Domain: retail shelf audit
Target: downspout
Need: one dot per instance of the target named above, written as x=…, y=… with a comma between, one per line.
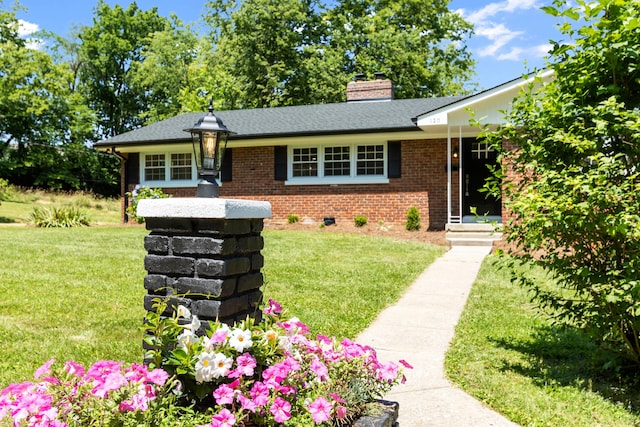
x=449, y=183
x=460, y=151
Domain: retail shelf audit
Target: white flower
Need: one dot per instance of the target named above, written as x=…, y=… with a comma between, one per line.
x=205, y=366
x=194, y=325
x=183, y=312
x=240, y=339
x=186, y=339
x=221, y=365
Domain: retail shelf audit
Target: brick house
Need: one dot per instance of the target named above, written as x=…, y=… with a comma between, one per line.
x=373, y=155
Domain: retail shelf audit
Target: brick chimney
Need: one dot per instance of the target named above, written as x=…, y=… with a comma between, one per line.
x=380, y=89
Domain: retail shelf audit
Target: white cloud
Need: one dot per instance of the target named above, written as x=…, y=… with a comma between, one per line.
x=499, y=35
x=519, y=53
x=494, y=23
x=479, y=16
x=26, y=28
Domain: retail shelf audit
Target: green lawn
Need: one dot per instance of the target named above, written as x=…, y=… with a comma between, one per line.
x=77, y=293
x=533, y=372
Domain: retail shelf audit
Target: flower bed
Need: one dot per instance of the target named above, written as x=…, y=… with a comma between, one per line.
x=269, y=373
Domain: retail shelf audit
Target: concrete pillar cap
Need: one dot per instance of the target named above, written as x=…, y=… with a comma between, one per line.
x=193, y=207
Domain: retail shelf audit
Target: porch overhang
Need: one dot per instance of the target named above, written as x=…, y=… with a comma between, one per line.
x=464, y=119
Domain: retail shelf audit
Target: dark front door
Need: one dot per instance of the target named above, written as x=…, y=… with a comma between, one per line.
x=477, y=156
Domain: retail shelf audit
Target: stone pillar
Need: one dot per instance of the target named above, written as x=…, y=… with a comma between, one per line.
x=205, y=255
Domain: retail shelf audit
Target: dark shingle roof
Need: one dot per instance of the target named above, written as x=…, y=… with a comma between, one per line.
x=322, y=119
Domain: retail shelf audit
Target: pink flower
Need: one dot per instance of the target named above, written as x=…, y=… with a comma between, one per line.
x=44, y=369
x=281, y=410
x=30, y=404
x=224, y=394
x=219, y=336
x=388, y=371
x=101, y=368
x=320, y=410
x=246, y=365
x=112, y=381
x=158, y=377
x=336, y=398
x=274, y=307
x=224, y=418
x=405, y=364
x=319, y=369
x=260, y=393
x=247, y=404
x=139, y=402
x=273, y=376
x=74, y=368
x=294, y=326
x=341, y=412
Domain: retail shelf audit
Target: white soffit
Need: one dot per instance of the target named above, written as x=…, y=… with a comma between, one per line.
x=487, y=106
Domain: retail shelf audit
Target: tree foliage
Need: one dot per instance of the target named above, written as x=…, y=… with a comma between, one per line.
x=572, y=182
x=132, y=67
x=296, y=52
x=112, y=50
x=419, y=45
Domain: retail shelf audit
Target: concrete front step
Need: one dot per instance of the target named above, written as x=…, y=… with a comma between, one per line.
x=472, y=234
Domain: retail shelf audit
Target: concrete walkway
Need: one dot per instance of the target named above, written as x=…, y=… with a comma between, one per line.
x=418, y=329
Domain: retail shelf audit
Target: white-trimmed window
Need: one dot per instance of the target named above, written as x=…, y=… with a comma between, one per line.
x=167, y=169
x=154, y=167
x=338, y=164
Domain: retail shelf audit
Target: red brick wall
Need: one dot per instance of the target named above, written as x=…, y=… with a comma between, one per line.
x=423, y=184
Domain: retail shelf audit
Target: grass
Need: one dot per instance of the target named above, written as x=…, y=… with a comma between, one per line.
x=77, y=293
x=534, y=373
x=22, y=202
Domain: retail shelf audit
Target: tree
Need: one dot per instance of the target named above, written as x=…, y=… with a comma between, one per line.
x=419, y=45
x=112, y=50
x=295, y=52
x=263, y=44
x=168, y=71
x=573, y=181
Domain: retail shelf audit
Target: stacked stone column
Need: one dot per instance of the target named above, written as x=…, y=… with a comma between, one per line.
x=206, y=255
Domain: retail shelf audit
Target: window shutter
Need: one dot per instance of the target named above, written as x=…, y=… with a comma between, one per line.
x=280, y=163
x=132, y=169
x=394, y=159
x=226, y=169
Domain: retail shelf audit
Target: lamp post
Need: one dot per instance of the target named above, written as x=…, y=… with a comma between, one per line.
x=209, y=138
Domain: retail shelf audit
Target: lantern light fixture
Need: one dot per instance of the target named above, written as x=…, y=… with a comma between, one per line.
x=209, y=138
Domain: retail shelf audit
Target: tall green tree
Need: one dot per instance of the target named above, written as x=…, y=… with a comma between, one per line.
x=112, y=50
x=297, y=52
x=169, y=70
x=263, y=44
x=420, y=45
x=572, y=183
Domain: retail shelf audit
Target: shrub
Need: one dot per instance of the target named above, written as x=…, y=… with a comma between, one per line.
x=413, y=219
x=6, y=190
x=571, y=187
x=360, y=221
x=292, y=219
x=65, y=217
x=138, y=194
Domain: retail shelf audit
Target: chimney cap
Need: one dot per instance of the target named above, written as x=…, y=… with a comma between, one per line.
x=379, y=75
x=359, y=77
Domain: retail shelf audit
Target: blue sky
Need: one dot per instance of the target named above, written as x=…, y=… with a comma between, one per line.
x=511, y=36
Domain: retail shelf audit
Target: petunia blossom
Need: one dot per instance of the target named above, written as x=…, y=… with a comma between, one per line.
x=224, y=418
x=320, y=410
x=281, y=410
x=224, y=394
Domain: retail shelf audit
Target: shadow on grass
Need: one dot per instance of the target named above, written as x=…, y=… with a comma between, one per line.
x=5, y=220
x=558, y=356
